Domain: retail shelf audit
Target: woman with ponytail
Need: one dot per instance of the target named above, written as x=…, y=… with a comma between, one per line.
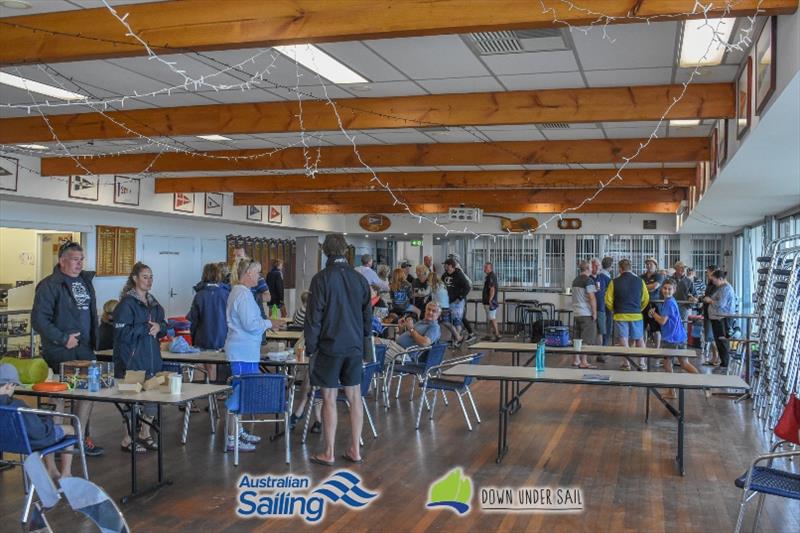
x=138, y=325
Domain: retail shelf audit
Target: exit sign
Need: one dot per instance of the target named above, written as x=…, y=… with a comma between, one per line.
x=416, y=243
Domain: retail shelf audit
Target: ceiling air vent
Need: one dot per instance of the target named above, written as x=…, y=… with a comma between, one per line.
x=490, y=43
x=554, y=126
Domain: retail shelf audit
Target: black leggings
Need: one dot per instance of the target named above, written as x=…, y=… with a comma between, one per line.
x=720, y=329
x=465, y=322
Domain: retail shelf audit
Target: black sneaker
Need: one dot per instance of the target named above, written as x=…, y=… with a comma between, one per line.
x=293, y=420
x=91, y=449
x=316, y=428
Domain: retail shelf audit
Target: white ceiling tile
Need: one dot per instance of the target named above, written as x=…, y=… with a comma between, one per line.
x=338, y=138
x=456, y=135
x=677, y=165
x=461, y=85
x=457, y=168
x=546, y=167
x=236, y=96
x=556, y=80
x=643, y=165
x=441, y=56
x=570, y=134
x=652, y=124
x=633, y=46
x=598, y=166
x=37, y=7
x=640, y=76
x=530, y=133
x=363, y=60
x=718, y=74
x=634, y=133
x=402, y=137
x=532, y=62
x=698, y=131
x=317, y=92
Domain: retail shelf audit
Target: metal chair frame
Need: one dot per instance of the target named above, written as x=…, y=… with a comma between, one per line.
x=460, y=390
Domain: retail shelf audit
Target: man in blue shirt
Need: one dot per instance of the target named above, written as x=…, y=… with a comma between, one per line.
x=424, y=333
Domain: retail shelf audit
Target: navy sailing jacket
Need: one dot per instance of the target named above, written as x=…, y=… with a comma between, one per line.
x=134, y=347
x=209, y=326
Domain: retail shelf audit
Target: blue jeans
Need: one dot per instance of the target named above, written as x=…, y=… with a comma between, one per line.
x=457, y=312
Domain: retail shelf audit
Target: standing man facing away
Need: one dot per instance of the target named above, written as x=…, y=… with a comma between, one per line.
x=275, y=284
x=626, y=298
x=490, y=303
x=584, y=307
x=605, y=320
x=338, y=324
x=64, y=315
x=370, y=275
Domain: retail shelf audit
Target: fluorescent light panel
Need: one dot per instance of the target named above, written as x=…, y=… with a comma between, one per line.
x=213, y=138
x=316, y=60
x=688, y=123
x=40, y=88
x=697, y=35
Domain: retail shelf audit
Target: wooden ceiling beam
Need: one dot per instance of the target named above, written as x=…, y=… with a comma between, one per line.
x=454, y=198
x=674, y=150
x=606, y=104
x=594, y=207
x=400, y=181
x=95, y=34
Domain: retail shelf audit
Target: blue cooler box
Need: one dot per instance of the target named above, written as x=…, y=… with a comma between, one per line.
x=556, y=336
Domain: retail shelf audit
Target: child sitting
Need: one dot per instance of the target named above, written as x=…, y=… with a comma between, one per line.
x=105, y=333
x=42, y=432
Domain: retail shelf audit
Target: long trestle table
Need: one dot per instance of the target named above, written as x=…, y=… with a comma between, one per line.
x=509, y=375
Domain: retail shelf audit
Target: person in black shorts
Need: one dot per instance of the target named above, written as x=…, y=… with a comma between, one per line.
x=338, y=325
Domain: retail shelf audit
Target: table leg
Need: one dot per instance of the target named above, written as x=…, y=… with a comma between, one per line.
x=681, y=407
x=161, y=443
x=502, y=423
x=647, y=405
x=132, y=423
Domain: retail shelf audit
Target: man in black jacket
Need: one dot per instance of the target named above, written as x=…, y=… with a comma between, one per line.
x=65, y=317
x=458, y=288
x=338, y=324
x=275, y=284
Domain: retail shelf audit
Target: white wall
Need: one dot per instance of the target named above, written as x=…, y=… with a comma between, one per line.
x=17, y=255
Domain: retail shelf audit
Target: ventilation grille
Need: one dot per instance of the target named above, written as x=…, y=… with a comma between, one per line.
x=487, y=43
x=554, y=126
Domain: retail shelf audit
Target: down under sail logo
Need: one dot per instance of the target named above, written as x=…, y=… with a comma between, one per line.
x=453, y=490
x=286, y=496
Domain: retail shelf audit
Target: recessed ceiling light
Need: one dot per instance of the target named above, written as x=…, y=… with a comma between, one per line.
x=40, y=88
x=405, y=233
x=213, y=138
x=385, y=238
x=438, y=238
x=345, y=233
x=316, y=60
x=689, y=123
x=15, y=4
x=697, y=48
x=33, y=146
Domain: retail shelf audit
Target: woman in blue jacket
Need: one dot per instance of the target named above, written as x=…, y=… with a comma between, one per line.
x=207, y=315
x=138, y=325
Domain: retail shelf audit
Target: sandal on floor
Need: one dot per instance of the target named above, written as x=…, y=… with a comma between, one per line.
x=576, y=365
x=625, y=368
x=587, y=366
x=346, y=457
x=323, y=462
x=127, y=448
x=148, y=443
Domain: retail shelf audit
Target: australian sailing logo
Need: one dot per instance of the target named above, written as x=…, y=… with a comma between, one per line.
x=287, y=496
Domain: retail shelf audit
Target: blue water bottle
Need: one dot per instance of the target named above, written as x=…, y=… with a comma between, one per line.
x=540, y=357
x=94, y=378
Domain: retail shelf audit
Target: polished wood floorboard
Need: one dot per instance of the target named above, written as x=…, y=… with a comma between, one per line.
x=590, y=437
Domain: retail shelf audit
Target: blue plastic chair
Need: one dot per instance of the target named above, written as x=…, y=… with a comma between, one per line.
x=380, y=374
x=14, y=439
x=369, y=371
x=261, y=394
x=432, y=356
x=460, y=387
x=81, y=494
x=763, y=480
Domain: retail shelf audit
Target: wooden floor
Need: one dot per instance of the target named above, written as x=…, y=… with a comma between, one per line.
x=589, y=437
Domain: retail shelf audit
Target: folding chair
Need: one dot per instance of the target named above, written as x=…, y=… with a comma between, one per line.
x=433, y=382
x=261, y=394
x=14, y=439
x=81, y=494
x=369, y=371
x=429, y=357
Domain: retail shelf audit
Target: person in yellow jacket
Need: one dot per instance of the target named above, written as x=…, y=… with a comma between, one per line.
x=627, y=298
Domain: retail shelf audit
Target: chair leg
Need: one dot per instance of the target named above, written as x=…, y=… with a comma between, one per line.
x=225, y=438
x=760, y=507
x=422, y=404
x=444, y=398
x=433, y=407
x=369, y=418
x=413, y=388
x=399, y=380
x=464, y=410
x=186, y=415
x=26, y=511
x=308, y=417
x=237, y=424
x=740, y=518
x=212, y=416
x=287, y=435
x=474, y=408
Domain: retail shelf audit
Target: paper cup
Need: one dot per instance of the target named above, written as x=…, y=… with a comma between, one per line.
x=578, y=344
x=175, y=384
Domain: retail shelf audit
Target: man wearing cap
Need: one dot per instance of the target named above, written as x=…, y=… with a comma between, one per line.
x=684, y=289
x=64, y=315
x=406, y=266
x=41, y=430
x=372, y=277
x=653, y=280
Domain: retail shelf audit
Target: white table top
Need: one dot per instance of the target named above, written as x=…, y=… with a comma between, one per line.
x=612, y=351
x=208, y=357
x=616, y=377
x=189, y=391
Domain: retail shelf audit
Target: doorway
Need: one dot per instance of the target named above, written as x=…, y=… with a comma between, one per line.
x=172, y=260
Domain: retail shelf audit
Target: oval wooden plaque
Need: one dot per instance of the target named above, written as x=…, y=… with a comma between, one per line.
x=373, y=222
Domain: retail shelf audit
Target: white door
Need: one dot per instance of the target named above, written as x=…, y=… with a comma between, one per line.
x=172, y=260
x=212, y=251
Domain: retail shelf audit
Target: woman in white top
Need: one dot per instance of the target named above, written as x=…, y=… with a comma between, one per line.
x=245, y=331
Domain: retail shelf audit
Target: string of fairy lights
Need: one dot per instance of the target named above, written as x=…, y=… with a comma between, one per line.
x=260, y=79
